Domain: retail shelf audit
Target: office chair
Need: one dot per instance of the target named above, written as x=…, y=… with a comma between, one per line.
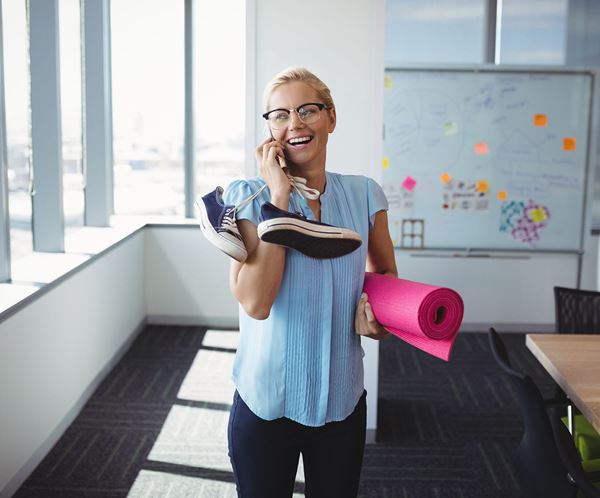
x=539, y=467
x=577, y=311
x=576, y=474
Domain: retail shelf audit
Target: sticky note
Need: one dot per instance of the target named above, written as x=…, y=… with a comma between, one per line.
x=450, y=128
x=445, y=178
x=482, y=186
x=481, y=148
x=569, y=144
x=540, y=120
x=385, y=162
x=502, y=195
x=387, y=82
x=409, y=183
x=538, y=215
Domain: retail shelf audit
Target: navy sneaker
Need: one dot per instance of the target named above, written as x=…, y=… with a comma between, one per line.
x=312, y=238
x=218, y=224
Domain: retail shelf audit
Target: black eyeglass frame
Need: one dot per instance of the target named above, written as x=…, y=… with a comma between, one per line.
x=320, y=105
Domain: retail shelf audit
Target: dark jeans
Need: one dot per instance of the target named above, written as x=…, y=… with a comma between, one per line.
x=264, y=454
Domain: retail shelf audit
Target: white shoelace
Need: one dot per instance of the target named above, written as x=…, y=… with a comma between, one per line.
x=228, y=223
x=298, y=183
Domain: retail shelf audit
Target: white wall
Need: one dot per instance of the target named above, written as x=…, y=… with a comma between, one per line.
x=187, y=280
x=56, y=349
x=340, y=41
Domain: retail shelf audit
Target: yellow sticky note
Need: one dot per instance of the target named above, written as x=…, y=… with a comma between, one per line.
x=540, y=120
x=569, y=143
x=481, y=148
x=482, y=186
x=445, y=178
x=450, y=128
x=502, y=195
x=538, y=215
x=388, y=82
x=385, y=162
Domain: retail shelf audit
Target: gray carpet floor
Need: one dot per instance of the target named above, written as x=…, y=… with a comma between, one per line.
x=156, y=426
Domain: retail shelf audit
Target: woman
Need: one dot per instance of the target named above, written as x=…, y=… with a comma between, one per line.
x=298, y=369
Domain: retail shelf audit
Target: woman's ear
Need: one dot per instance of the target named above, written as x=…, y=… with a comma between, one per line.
x=332, y=119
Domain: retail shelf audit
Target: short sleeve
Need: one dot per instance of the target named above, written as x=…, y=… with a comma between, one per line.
x=376, y=200
x=239, y=191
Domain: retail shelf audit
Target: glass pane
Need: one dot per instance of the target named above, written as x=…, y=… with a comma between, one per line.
x=423, y=31
x=533, y=31
x=70, y=95
x=219, y=92
x=16, y=87
x=147, y=83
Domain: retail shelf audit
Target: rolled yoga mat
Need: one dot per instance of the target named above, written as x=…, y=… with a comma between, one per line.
x=425, y=316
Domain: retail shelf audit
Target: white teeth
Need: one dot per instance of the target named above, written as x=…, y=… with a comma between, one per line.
x=299, y=140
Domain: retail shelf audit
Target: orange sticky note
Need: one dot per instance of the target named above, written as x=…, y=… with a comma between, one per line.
x=569, y=144
x=481, y=149
x=502, y=195
x=482, y=186
x=445, y=178
x=540, y=120
x=385, y=162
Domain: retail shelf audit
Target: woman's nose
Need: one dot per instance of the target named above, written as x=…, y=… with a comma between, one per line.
x=295, y=121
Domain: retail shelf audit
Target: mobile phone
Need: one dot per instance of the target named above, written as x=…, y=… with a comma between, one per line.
x=280, y=160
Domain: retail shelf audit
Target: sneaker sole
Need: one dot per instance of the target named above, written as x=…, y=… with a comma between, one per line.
x=237, y=252
x=312, y=240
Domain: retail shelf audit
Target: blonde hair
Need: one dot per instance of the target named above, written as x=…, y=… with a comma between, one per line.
x=296, y=73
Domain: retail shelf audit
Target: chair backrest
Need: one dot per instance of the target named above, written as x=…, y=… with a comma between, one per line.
x=570, y=457
x=538, y=463
x=577, y=311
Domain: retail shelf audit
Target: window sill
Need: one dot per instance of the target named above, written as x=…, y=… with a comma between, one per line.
x=39, y=272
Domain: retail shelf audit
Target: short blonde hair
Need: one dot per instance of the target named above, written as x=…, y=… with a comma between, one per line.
x=296, y=73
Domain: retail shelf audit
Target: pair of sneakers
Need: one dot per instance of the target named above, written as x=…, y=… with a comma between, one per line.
x=293, y=230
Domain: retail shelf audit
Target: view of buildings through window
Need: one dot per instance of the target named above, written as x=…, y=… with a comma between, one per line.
x=70, y=98
x=147, y=51
x=16, y=95
x=219, y=92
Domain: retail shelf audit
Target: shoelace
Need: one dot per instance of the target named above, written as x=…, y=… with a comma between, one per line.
x=299, y=185
x=228, y=223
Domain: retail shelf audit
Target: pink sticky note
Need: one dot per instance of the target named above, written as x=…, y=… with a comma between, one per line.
x=481, y=149
x=409, y=183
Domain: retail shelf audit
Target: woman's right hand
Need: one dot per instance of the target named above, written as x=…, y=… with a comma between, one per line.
x=268, y=155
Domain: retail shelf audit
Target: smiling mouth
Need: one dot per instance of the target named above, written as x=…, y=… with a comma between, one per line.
x=299, y=141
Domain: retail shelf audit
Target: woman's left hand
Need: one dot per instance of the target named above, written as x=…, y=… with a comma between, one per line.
x=365, y=322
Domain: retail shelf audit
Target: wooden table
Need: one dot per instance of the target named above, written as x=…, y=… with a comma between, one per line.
x=573, y=361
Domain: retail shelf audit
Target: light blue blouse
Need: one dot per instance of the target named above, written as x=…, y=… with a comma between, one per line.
x=304, y=362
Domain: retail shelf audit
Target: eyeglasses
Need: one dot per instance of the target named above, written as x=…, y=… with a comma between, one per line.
x=307, y=113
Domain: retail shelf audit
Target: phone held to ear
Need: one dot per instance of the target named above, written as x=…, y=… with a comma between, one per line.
x=280, y=159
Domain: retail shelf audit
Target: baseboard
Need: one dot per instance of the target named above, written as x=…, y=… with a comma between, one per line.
x=370, y=436
x=528, y=328
x=24, y=472
x=228, y=323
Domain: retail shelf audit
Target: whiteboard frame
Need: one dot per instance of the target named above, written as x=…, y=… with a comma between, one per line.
x=508, y=69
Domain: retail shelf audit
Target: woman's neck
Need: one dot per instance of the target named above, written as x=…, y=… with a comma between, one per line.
x=315, y=177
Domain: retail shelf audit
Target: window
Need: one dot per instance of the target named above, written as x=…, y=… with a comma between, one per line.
x=147, y=47
x=70, y=96
x=16, y=87
x=430, y=31
x=219, y=93
x=533, y=31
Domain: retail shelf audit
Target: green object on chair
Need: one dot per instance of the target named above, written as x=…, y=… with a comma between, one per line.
x=587, y=439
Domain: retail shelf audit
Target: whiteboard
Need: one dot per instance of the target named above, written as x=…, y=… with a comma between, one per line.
x=486, y=159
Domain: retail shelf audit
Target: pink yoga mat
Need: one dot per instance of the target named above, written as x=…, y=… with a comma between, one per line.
x=425, y=316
